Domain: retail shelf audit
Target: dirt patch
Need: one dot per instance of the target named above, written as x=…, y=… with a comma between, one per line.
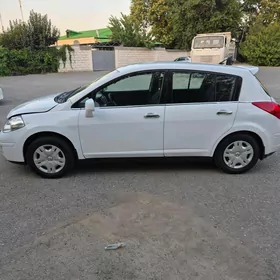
x=164, y=241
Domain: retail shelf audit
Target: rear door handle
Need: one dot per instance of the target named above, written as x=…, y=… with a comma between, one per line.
x=152, y=115
x=224, y=112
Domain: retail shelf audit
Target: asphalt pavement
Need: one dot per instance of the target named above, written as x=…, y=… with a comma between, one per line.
x=180, y=219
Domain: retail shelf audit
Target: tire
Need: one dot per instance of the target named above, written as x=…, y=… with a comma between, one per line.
x=226, y=160
x=54, y=154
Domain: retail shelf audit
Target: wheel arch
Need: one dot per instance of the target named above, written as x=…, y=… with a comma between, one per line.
x=37, y=135
x=246, y=132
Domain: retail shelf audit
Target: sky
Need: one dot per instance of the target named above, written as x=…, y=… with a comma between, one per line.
x=77, y=15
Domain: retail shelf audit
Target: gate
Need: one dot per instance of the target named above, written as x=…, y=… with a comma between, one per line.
x=103, y=60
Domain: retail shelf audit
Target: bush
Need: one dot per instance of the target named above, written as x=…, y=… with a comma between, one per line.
x=4, y=62
x=25, y=61
x=262, y=45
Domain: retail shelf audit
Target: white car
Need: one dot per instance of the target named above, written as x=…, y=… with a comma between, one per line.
x=1, y=94
x=148, y=110
x=184, y=59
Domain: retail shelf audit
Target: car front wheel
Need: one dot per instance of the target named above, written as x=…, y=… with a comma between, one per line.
x=50, y=157
x=237, y=153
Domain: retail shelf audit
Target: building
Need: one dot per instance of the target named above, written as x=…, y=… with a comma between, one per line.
x=89, y=37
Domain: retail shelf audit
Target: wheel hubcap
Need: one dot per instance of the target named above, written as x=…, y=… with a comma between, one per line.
x=49, y=159
x=238, y=154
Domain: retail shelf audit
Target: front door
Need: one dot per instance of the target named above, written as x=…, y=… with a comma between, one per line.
x=128, y=119
x=202, y=110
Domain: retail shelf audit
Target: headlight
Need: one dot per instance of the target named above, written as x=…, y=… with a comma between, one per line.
x=13, y=123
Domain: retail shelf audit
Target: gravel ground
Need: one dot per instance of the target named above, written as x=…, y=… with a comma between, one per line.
x=180, y=219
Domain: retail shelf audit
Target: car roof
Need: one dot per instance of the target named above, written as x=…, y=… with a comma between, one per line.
x=173, y=65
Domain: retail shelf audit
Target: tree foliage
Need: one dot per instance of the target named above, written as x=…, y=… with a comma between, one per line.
x=35, y=34
x=176, y=22
x=154, y=15
x=191, y=17
x=25, y=47
x=128, y=33
x=269, y=11
x=262, y=44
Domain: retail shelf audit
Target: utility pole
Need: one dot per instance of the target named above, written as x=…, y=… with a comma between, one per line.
x=1, y=23
x=20, y=6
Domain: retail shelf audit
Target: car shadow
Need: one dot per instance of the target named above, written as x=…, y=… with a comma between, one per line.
x=5, y=102
x=144, y=165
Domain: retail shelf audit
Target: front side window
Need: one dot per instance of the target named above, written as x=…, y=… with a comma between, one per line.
x=197, y=87
x=132, y=90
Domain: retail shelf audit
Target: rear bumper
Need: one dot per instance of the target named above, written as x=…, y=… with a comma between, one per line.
x=273, y=145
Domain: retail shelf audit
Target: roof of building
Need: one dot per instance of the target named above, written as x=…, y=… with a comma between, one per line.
x=102, y=35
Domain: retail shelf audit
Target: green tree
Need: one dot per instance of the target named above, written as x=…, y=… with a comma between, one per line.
x=128, y=33
x=37, y=33
x=269, y=11
x=262, y=44
x=154, y=15
x=175, y=22
x=204, y=16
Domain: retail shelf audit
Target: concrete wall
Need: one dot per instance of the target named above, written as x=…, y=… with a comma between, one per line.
x=82, y=57
x=125, y=56
x=81, y=60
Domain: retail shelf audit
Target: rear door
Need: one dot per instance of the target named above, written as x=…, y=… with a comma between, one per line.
x=202, y=109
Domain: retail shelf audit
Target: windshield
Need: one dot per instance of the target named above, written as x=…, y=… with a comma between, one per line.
x=63, y=97
x=208, y=42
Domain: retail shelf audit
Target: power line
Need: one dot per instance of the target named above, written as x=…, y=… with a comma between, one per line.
x=20, y=6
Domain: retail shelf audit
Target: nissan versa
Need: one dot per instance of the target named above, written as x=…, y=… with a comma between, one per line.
x=148, y=110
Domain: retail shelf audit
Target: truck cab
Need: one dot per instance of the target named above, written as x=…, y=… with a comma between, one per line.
x=213, y=48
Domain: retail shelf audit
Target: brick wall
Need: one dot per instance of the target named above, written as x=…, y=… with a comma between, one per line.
x=125, y=56
x=81, y=60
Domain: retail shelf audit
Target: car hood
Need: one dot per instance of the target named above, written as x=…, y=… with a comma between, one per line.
x=38, y=105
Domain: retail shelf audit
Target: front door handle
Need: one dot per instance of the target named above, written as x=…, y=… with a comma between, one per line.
x=151, y=115
x=224, y=112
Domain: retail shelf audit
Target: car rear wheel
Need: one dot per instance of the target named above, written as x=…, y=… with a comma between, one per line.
x=237, y=153
x=50, y=157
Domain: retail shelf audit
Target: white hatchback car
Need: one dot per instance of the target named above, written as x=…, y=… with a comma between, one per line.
x=149, y=110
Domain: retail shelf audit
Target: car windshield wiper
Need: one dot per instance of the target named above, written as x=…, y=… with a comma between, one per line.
x=61, y=98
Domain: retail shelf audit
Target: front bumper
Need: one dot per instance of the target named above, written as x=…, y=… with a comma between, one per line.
x=11, y=149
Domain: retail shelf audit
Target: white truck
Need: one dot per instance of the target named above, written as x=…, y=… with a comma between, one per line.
x=213, y=48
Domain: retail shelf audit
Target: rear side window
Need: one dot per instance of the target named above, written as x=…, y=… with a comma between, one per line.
x=197, y=87
x=225, y=87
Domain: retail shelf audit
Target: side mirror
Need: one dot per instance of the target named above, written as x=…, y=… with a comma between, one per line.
x=89, y=108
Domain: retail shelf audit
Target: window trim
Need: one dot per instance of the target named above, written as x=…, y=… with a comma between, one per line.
x=235, y=95
x=76, y=105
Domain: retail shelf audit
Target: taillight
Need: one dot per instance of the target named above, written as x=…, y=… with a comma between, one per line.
x=270, y=107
